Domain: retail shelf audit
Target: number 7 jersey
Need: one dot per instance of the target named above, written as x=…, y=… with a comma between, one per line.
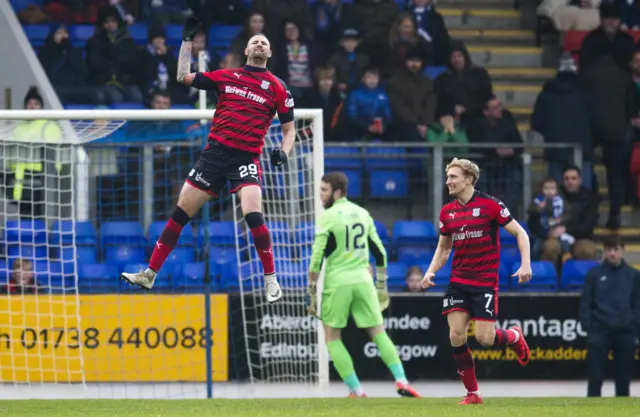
x=345, y=235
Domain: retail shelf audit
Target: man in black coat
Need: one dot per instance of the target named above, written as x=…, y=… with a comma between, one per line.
x=610, y=312
x=561, y=115
x=66, y=69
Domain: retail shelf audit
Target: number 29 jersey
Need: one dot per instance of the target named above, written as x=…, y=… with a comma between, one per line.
x=345, y=235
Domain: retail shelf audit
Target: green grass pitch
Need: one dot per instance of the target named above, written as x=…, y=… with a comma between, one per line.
x=378, y=407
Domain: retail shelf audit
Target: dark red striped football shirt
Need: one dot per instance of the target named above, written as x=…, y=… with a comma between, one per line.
x=249, y=98
x=476, y=238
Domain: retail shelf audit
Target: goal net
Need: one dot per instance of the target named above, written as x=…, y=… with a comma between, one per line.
x=85, y=195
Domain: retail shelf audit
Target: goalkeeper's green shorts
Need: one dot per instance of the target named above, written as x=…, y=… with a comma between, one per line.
x=361, y=300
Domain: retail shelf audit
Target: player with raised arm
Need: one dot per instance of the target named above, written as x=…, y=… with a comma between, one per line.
x=249, y=98
x=345, y=235
x=470, y=225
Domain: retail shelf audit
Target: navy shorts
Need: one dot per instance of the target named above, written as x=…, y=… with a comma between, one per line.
x=218, y=164
x=480, y=302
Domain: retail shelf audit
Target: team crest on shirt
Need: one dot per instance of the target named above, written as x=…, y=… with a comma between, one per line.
x=265, y=84
x=476, y=212
x=505, y=212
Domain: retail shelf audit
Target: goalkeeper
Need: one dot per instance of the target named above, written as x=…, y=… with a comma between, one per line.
x=345, y=235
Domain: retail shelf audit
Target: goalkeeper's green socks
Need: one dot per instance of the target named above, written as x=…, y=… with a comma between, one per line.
x=344, y=365
x=390, y=356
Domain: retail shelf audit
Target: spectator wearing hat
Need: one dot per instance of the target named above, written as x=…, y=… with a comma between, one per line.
x=113, y=58
x=162, y=64
x=348, y=62
x=432, y=28
x=607, y=40
x=610, y=313
x=462, y=90
x=413, y=100
x=560, y=115
x=68, y=72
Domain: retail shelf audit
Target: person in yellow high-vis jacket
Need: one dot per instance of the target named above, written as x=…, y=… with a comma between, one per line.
x=24, y=154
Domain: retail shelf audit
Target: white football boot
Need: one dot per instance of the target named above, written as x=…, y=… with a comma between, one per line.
x=274, y=293
x=143, y=279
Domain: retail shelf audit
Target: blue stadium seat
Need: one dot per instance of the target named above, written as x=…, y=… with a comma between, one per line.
x=49, y=276
x=504, y=277
x=80, y=34
x=128, y=106
x=544, y=278
x=432, y=72
x=174, y=34
x=509, y=256
x=412, y=233
x=396, y=275
x=388, y=158
x=25, y=231
x=190, y=277
x=222, y=261
x=383, y=233
x=5, y=272
x=139, y=32
x=79, y=107
x=389, y=184
x=98, y=278
x=187, y=237
x=352, y=158
x=122, y=255
x=507, y=239
x=37, y=34
x=574, y=272
x=32, y=252
x=220, y=234
x=122, y=233
x=414, y=255
x=220, y=36
x=182, y=107
x=83, y=254
x=178, y=257
x=19, y=5
x=355, y=182
x=62, y=233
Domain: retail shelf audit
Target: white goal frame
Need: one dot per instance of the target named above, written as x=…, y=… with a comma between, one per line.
x=72, y=138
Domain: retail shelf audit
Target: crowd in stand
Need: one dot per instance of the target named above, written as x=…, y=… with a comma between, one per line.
x=364, y=64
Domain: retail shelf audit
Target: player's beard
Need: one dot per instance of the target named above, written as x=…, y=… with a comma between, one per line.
x=329, y=202
x=259, y=57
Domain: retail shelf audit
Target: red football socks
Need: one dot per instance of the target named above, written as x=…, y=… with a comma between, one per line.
x=466, y=367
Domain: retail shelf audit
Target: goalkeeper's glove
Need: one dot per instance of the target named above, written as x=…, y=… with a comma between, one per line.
x=278, y=157
x=191, y=29
x=312, y=299
x=381, y=289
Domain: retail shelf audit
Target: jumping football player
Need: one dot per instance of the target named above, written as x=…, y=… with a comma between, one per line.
x=249, y=97
x=470, y=224
x=346, y=233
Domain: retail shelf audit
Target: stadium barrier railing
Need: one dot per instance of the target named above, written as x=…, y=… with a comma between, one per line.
x=415, y=172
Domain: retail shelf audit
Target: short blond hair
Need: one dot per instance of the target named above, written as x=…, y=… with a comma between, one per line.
x=469, y=168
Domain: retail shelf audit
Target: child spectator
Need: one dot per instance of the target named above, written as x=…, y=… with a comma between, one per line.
x=348, y=63
x=413, y=279
x=368, y=108
x=22, y=280
x=545, y=217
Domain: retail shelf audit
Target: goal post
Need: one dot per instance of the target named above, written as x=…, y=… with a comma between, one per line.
x=88, y=149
